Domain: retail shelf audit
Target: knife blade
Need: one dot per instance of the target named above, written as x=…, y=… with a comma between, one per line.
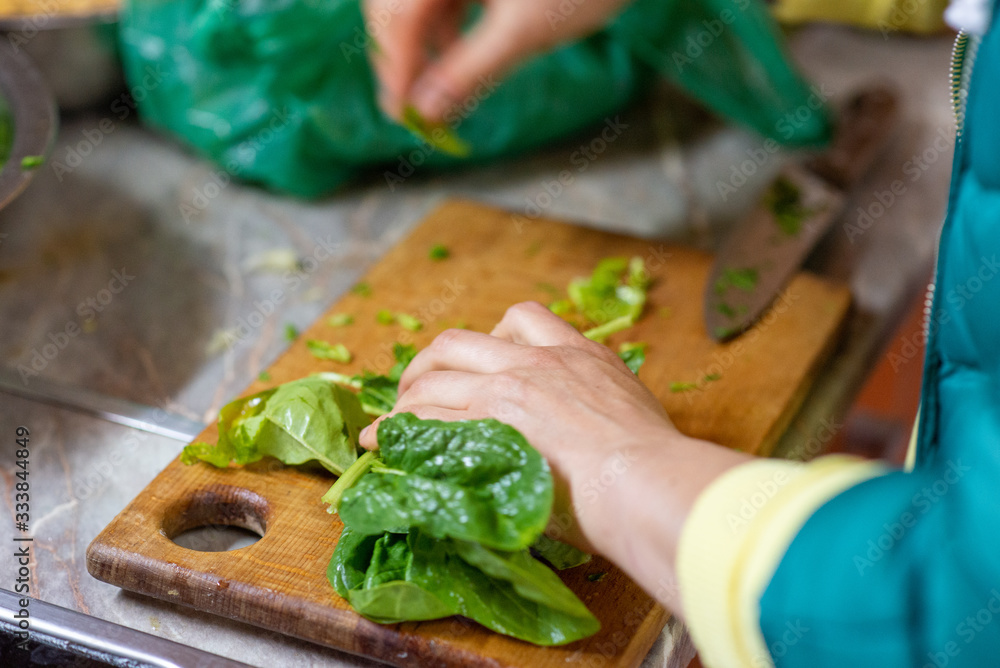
x=113, y=409
x=765, y=250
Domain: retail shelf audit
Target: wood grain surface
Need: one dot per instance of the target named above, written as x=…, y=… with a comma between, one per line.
x=497, y=259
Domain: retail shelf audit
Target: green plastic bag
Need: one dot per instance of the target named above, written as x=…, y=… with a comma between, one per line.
x=279, y=92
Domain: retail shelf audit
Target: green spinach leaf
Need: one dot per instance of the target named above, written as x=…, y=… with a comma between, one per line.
x=476, y=480
x=307, y=420
x=395, y=577
x=362, y=581
x=509, y=592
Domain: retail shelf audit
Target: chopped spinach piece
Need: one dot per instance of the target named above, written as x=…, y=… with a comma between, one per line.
x=688, y=387
x=611, y=298
x=340, y=320
x=559, y=554
x=616, y=289
x=291, y=332
x=328, y=351
x=596, y=577
x=439, y=252
x=409, y=322
x=362, y=289
x=683, y=387
x=633, y=354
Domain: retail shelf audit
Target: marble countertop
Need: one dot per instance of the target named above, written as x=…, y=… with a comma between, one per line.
x=104, y=284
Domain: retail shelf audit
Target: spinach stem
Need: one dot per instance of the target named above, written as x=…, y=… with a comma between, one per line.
x=373, y=410
x=602, y=332
x=379, y=467
x=360, y=467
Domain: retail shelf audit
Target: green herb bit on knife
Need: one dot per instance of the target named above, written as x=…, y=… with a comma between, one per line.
x=32, y=162
x=784, y=199
x=742, y=279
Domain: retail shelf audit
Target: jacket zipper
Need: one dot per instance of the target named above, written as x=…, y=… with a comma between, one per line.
x=957, y=75
x=963, y=56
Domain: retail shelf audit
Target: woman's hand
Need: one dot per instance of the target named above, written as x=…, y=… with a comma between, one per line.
x=422, y=59
x=623, y=473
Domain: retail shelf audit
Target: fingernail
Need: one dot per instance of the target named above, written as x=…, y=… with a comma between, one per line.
x=430, y=99
x=364, y=433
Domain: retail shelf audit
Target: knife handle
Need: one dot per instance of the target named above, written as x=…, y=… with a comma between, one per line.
x=861, y=132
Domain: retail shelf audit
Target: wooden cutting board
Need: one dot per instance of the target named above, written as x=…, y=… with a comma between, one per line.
x=497, y=259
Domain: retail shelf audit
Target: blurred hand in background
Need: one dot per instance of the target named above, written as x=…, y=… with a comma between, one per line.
x=422, y=57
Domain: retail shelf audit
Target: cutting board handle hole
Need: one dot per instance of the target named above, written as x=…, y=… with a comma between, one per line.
x=217, y=519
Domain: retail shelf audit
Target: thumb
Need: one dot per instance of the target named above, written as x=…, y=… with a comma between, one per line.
x=368, y=438
x=498, y=40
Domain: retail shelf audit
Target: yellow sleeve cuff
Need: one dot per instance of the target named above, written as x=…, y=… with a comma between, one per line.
x=734, y=538
x=911, y=451
x=884, y=15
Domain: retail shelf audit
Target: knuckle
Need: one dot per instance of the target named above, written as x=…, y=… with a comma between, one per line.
x=544, y=357
x=446, y=339
x=602, y=352
x=522, y=310
x=421, y=386
x=422, y=412
x=508, y=384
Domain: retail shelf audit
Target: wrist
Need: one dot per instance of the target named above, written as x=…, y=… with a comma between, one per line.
x=608, y=492
x=639, y=500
